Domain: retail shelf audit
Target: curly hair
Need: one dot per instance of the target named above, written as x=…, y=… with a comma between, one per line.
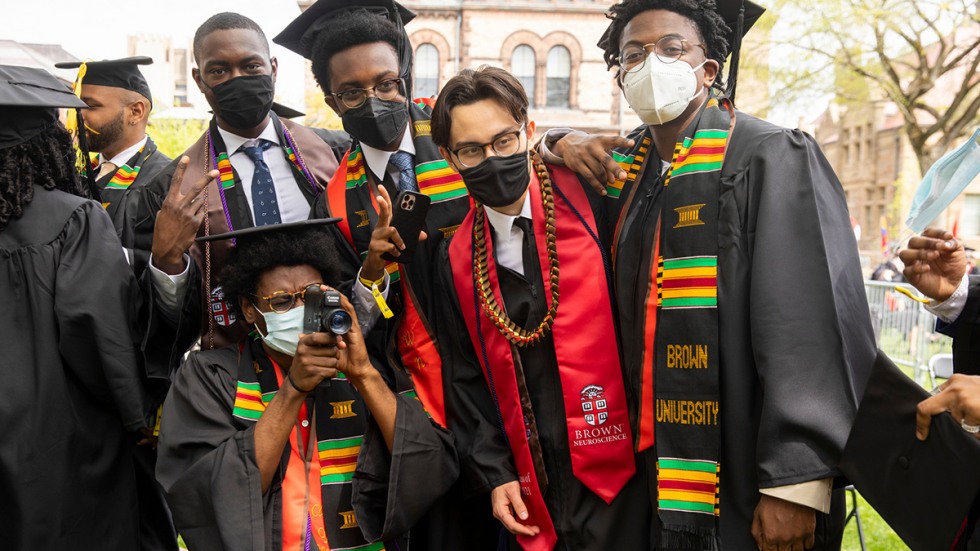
x=46, y=160
x=349, y=29
x=711, y=27
x=255, y=256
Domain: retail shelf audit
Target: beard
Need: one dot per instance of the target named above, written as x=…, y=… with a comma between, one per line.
x=107, y=135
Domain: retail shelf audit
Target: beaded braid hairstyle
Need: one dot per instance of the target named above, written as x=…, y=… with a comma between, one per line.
x=46, y=160
x=466, y=88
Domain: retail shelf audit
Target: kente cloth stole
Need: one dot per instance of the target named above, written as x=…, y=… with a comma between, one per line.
x=594, y=395
x=234, y=204
x=119, y=181
x=349, y=197
x=339, y=419
x=685, y=361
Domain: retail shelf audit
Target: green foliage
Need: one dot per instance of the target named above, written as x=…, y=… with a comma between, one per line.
x=877, y=535
x=174, y=136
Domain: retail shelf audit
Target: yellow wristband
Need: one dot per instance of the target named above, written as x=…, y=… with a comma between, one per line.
x=368, y=283
x=382, y=304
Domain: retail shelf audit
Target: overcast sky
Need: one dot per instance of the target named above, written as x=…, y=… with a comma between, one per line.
x=97, y=29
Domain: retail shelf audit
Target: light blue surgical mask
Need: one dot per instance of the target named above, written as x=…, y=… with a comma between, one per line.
x=283, y=330
x=944, y=182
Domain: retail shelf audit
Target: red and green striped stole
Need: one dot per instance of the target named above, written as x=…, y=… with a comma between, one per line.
x=124, y=177
x=356, y=168
x=250, y=402
x=688, y=486
x=630, y=162
x=439, y=181
x=226, y=174
x=338, y=458
x=686, y=366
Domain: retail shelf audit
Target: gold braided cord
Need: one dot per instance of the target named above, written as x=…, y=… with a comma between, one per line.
x=481, y=278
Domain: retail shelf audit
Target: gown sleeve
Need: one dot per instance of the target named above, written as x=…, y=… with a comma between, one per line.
x=96, y=304
x=965, y=331
x=163, y=343
x=206, y=462
x=393, y=491
x=810, y=326
x=485, y=458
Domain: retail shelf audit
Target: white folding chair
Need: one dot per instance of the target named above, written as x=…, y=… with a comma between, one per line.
x=940, y=366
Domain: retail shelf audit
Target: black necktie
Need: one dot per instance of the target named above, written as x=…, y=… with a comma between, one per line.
x=529, y=248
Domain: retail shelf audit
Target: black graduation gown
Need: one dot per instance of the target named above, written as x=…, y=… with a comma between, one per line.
x=156, y=527
x=965, y=331
x=71, y=380
x=796, y=341
x=123, y=205
x=582, y=520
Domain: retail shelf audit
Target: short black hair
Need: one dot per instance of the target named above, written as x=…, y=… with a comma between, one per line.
x=46, y=160
x=222, y=22
x=255, y=256
x=469, y=87
x=346, y=30
x=712, y=28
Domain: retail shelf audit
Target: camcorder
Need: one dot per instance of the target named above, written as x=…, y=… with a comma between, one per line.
x=323, y=313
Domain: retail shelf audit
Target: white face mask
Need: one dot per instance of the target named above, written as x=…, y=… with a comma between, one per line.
x=659, y=92
x=283, y=330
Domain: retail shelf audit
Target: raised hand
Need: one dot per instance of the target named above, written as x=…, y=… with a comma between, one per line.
x=935, y=263
x=178, y=220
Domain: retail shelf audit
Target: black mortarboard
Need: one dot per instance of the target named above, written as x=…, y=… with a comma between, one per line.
x=286, y=112
x=923, y=490
x=29, y=102
x=257, y=232
x=300, y=35
x=117, y=73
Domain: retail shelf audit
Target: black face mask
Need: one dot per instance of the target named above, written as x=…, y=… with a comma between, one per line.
x=244, y=102
x=377, y=123
x=498, y=181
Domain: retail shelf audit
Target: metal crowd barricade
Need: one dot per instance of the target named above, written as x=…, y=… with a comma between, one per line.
x=903, y=328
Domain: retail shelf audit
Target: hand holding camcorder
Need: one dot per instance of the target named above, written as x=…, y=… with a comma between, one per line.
x=324, y=313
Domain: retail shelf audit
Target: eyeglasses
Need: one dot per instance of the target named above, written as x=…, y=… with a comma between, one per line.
x=355, y=97
x=503, y=145
x=668, y=50
x=283, y=301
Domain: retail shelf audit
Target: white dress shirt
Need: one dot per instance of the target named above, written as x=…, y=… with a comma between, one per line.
x=951, y=308
x=125, y=155
x=377, y=160
x=509, y=237
x=293, y=205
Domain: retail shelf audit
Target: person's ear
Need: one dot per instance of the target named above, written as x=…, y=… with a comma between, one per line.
x=710, y=72
x=331, y=102
x=448, y=156
x=196, y=75
x=275, y=68
x=139, y=111
x=248, y=310
x=529, y=128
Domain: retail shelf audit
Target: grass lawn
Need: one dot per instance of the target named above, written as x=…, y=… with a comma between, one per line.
x=877, y=535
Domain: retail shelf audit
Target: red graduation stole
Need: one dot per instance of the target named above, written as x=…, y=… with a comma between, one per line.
x=599, y=434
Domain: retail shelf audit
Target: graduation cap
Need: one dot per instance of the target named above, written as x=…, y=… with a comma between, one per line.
x=300, y=35
x=29, y=102
x=923, y=490
x=116, y=73
x=271, y=230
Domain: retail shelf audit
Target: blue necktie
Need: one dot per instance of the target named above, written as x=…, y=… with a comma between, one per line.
x=264, y=204
x=405, y=163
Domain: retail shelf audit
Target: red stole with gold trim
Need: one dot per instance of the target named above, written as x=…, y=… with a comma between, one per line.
x=584, y=338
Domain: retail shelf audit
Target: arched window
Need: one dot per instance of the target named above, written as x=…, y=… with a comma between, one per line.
x=559, y=77
x=522, y=65
x=426, y=71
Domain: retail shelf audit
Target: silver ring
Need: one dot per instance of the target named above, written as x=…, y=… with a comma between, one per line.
x=972, y=429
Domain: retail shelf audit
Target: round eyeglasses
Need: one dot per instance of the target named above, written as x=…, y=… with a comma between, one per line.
x=503, y=145
x=283, y=301
x=355, y=97
x=668, y=50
